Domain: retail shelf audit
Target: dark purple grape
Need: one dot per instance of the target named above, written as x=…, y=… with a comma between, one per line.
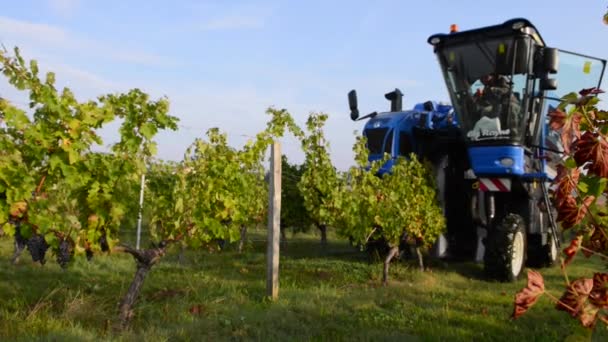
x=89, y=254
x=64, y=253
x=20, y=241
x=37, y=247
x=103, y=243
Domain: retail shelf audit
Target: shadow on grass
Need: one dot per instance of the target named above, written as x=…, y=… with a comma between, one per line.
x=467, y=269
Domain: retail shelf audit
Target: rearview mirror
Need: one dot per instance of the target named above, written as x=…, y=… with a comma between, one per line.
x=352, y=103
x=548, y=84
x=551, y=60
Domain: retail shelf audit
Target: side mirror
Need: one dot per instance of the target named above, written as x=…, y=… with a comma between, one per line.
x=548, y=84
x=352, y=103
x=551, y=60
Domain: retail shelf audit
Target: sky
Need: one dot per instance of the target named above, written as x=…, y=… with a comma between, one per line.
x=223, y=63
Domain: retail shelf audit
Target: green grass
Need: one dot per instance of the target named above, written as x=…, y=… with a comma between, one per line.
x=329, y=295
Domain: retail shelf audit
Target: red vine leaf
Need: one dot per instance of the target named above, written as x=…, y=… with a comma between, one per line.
x=574, y=299
x=571, y=250
x=600, y=280
x=599, y=293
x=567, y=180
x=563, y=171
x=525, y=298
x=570, y=213
x=592, y=148
x=557, y=119
x=597, y=242
x=588, y=315
x=571, y=130
x=590, y=91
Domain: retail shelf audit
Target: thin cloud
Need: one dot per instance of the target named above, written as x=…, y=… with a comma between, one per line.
x=21, y=32
x=24, y=30
x=64, y=8
x=234, y=22
x=243, y=17
x=79, y=79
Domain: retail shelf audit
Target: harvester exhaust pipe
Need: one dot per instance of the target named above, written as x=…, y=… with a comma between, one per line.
x=396, y=98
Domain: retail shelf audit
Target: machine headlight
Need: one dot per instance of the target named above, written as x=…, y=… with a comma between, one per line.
x=506, y=162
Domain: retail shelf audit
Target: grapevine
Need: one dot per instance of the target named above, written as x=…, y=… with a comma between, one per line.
x=320, y=178
x=388, y=207
x=581, y=181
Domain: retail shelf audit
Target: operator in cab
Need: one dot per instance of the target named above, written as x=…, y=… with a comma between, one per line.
x=497, y=106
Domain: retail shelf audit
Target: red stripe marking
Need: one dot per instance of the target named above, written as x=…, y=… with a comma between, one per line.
x=482, y=186
x=501, y=187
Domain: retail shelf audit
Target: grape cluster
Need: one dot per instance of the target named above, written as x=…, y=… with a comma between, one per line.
x=37, y=247
x=64, y=253
x=103, y=242
x=89, y=254
x=20, y=241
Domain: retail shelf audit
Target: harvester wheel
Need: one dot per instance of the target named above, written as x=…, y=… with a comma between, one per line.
x=551, y=252
x=505, y=252
x=540, y=255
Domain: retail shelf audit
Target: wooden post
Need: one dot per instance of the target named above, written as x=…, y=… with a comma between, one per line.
x=274, y=223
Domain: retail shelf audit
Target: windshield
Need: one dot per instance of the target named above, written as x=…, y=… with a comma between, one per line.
x=487, y=81
x=576, y=72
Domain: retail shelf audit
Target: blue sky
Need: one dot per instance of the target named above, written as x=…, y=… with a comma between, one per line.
x=222, y=63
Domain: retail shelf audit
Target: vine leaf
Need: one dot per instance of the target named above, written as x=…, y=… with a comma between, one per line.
x=592, y=152
x=599, y=293
x=597, y=242
x=557, y=119
x=571, y=250
x=569, y=124
x=570, y=213
x=575, y=302
x=590, y=91
x=567, y=181
x=528, y=296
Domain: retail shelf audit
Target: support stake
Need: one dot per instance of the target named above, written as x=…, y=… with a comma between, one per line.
x=274, y=223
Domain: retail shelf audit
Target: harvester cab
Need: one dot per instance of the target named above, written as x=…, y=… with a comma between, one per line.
x=498, y=78
x=502, y=80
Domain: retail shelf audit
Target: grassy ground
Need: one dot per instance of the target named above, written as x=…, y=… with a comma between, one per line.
x=324, y=295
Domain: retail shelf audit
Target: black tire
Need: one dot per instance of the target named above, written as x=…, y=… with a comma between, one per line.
x=505, y=248
x=540, y=255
